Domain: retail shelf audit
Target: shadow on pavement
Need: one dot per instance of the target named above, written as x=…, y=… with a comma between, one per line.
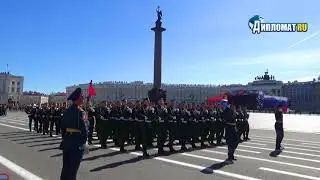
x=101, y=156
x=57, y=155
x=13, y=136
x=12, y=133
x=210, y=170
x=42, y=140
x=116, y=164
x=44, y=144
x=18, y=134
x=48, y=149
x=30, y=138
x=60, y=154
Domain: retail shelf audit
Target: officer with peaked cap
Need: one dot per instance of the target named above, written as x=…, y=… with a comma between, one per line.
x=74, y=126
x=232, y=138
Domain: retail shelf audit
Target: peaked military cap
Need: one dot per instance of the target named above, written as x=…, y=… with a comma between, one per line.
x=75, y=94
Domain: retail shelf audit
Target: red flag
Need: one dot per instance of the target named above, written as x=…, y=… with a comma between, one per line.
x=91, y=90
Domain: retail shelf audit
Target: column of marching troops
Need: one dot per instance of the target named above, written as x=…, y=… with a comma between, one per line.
x=3, y=110
x=144, y=124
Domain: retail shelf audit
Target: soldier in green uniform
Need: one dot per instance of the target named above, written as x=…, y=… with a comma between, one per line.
x=51, y=118
x=103, y=123
x=162, y=120
x=31, y=112
x=140, y=128
x=151, y=114
x=232, y=138
x=91, y=119
x=174, y=114
x=219, y=125
x=57, y=116
x=74, y=125
x=45, y=119
x=246, y=124
x=204, y=125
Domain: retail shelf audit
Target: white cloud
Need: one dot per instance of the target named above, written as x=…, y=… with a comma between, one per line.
x=284, y=59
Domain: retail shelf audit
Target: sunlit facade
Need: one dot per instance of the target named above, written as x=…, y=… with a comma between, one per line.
x=138, y=90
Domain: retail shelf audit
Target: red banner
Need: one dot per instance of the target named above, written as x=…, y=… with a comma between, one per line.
x=91, y=90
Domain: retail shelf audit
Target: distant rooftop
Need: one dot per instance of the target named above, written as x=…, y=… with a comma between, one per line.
x=265, y=77
x=34, y=93
x=9, y=74
x=58, y=94
x=143, y=83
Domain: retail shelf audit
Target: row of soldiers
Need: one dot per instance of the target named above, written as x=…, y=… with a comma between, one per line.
x=3, y=110
x=142, y=122
x=45, y=117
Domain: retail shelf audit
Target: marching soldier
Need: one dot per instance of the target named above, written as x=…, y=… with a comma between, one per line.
x=141, y=128
x=194, y=124
x=91, y=119
x=58, y=111
x=45, y=119
x=219, y=125
x=102, y=114
x=51, y=118
x=30, y=111
x=240, y=122
x=174, y=115
x=41, y=117
x=246, y=124
x=186, y=136
x=211, y=123
x=1, y=110
x=37, y=118
x=162, y=124
x=151, y=114
x=119, y=114
x=204, y=125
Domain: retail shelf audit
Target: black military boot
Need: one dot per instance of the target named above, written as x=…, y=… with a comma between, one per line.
x=145, y=154
x=184, y=148
x=122, y=149
x=104, y=146
x=161, y=151
x=172, y=150
x=137, y=148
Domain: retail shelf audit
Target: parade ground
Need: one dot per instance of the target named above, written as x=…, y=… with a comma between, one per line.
x=32, y=156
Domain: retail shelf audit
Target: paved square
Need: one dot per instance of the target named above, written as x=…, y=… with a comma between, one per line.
x=39, y=155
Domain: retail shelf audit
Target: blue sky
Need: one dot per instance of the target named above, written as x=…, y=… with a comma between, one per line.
x=58, y=43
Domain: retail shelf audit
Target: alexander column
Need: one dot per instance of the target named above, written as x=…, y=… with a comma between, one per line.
x=157, y=93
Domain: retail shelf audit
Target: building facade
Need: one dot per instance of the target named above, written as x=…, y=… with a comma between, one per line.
x=111, y=91
x=57, y=98
x=267, y=84
x=11, y=88
x=33, y=99
x=303, y=96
